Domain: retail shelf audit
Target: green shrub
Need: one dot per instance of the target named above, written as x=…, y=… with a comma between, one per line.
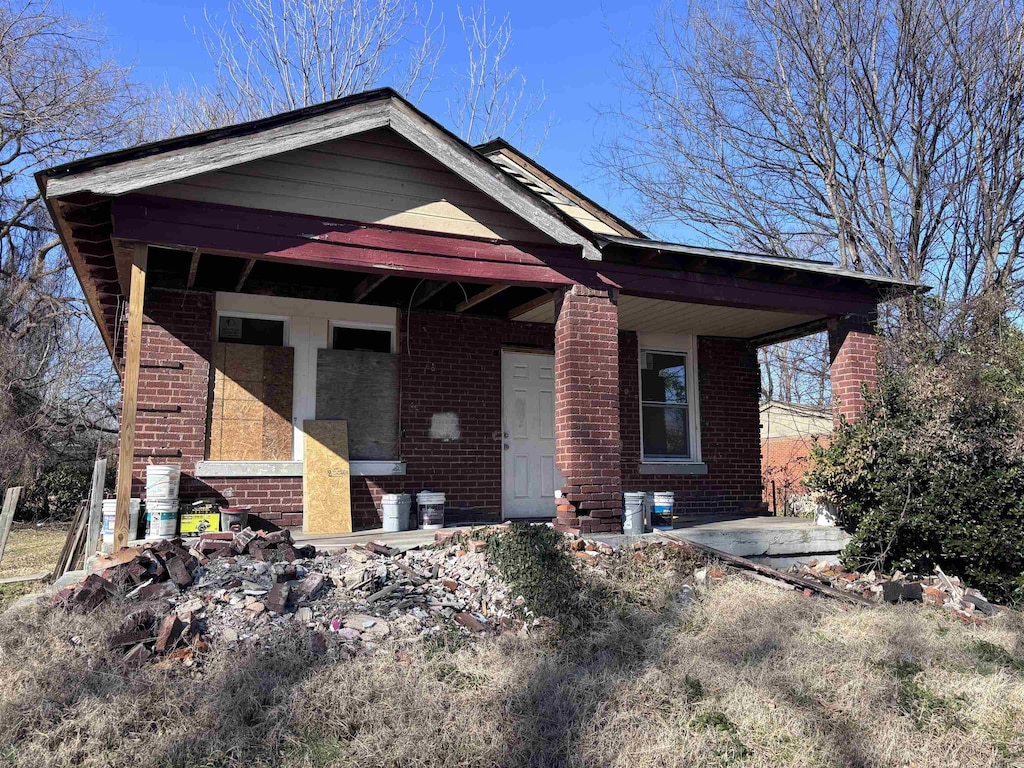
x=57, y=494
x=532, y=559
x=933, y=472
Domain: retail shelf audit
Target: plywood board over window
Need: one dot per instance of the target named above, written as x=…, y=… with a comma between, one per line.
x=251, y=415
x=360, y=387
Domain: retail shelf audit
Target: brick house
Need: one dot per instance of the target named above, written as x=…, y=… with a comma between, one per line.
x=789, y=431
x=483, y=328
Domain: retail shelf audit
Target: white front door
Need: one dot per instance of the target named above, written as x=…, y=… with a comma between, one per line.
x=529, y=477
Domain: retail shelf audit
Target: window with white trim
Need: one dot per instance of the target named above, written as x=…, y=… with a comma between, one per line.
x=667, y=409
x=251, y=329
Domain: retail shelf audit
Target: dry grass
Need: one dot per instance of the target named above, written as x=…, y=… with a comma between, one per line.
x=747, y=676
x=32, y=549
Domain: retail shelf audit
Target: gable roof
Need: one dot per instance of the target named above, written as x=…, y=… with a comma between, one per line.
x=137, y=168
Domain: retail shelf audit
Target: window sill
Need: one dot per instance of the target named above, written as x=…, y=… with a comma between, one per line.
x=291, y=468
x=673, y=468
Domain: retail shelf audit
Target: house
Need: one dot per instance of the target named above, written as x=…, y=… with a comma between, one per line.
x=788, y=433
x=481, y=327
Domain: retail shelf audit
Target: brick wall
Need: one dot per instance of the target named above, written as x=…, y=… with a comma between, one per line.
x=729, y=383
x=784, y=462
x=853, y=348
x=174, y=392
x=451, y=364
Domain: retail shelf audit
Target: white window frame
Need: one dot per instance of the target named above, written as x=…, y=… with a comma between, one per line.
x=392, y=329
x=253, y=316
x=672, y=345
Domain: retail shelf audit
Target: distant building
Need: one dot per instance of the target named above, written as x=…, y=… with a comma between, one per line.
x=788, y=432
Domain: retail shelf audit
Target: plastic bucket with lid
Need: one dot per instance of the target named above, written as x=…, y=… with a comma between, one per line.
x=109, y=516
x=162, y=516
x=431, y=508
x=395, y=507
x=162, y=481
x=634, y=504
x=664, y=504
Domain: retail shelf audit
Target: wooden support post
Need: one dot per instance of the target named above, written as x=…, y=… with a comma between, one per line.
x=481, y=297
x=7, y=515
x=99, y=474
x=129, y=402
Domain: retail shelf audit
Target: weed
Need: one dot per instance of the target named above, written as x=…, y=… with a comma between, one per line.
x=990, y=653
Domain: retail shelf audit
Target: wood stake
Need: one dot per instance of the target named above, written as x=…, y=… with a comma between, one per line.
x=99, y=475
x=11, y=498
x=129, y=402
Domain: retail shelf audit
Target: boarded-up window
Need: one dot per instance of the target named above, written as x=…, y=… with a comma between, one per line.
x=251, y=416
x=361, y=388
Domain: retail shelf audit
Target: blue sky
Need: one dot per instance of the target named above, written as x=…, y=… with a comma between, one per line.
x=568, y=45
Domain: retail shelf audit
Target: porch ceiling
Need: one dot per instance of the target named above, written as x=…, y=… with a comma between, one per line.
x=637, y=313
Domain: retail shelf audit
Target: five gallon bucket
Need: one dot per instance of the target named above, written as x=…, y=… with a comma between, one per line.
x=395, y=507
x=161, y=518
x=162, y=481
x=633, y=519
x=109, y=516
x=664, y=505
x=431, y=509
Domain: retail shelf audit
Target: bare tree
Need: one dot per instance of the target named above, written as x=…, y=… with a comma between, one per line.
x=275, y=55
x=796, y=371
x=60, y=98
x=491, y=97
x=881, y=134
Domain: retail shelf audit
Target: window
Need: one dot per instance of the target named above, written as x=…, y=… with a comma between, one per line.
x=667, y=428
x=361, y=339
x=240, y=329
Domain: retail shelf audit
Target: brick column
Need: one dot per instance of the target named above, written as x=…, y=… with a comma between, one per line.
x=853, y=349
x=588, y=446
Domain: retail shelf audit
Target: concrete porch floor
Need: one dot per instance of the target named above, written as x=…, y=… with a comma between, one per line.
x=780, y=541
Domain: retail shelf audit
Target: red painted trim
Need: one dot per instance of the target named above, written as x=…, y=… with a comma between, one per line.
x=374, y=249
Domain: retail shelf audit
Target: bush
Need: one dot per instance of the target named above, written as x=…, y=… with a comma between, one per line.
x=933, y=473
x=57, y=494
x=532, y=559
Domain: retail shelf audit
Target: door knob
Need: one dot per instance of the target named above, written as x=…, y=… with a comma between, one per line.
x=505, y=446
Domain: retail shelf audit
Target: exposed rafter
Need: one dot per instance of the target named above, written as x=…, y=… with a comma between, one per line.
x=429, y=290
x=366, y=287
x=522, y=309
x=480, y=298
x=245, y=274
x=193, y=269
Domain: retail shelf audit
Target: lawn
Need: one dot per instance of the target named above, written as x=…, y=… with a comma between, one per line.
x=30, y=549
x=744, y=674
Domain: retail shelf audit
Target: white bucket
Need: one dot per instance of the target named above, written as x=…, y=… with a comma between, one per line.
x=162, y=481
x=664, y=504
x=633, y=515
x=395, y=507
x=431, y=509
x=109, y=516
x=162, y=517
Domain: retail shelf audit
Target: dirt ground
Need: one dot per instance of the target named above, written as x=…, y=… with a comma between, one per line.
x=30, y=549
x=743, y=674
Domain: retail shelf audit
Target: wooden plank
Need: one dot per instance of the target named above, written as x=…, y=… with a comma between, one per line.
x=327, y=504
x=99, y=475
x=764, y=570
x=133, y=355
x=366, y=287
x=26, y=577
x=540, y=301
x=193, y=269
x=11, y=498
x=480, y=298
x=71, y=541
x=245, y=274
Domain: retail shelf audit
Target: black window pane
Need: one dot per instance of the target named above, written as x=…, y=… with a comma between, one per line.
x=362, y=339
x=251, y=330
x=663, y=378
x=666, y=432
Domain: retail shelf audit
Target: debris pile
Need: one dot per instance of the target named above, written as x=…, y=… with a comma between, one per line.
x=156, y=575
x=937, y=590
